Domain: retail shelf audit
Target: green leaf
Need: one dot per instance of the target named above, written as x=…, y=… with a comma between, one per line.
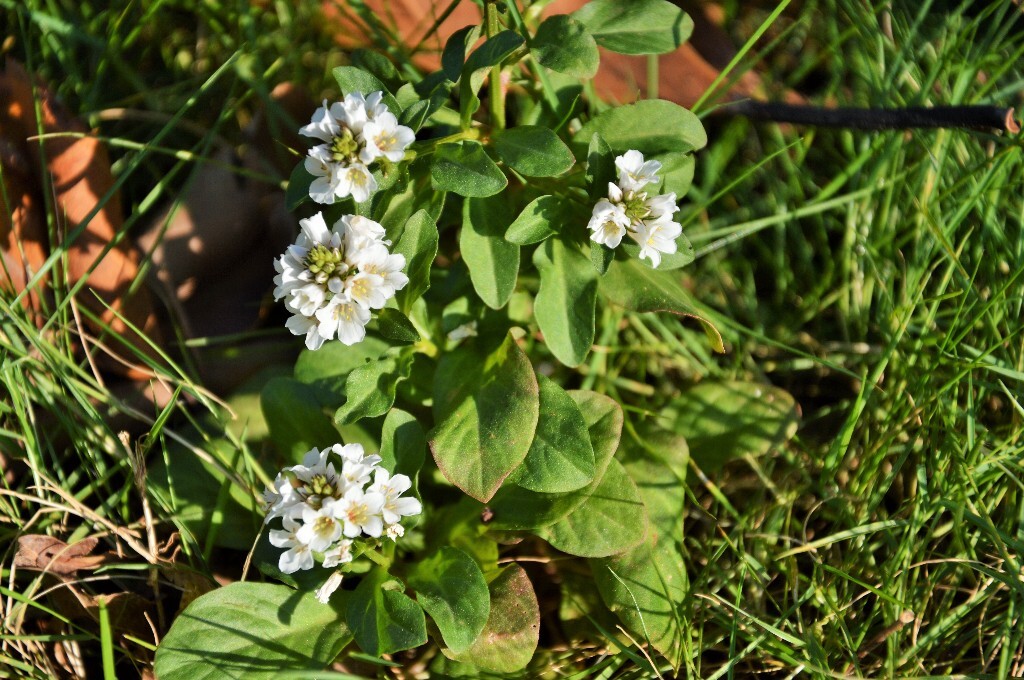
x=403, y=449
x=727, y=420
x=516, y=508
x=493, y=262
x=561, y=457
x=610, y=520
x=676, y=173
x=451, y=588
x=252, y=630
x=494, y=51
x=510, y=637
x=600, y=166
x=539, y=220
x=466, y=169
x=298, y=187
x=296, y=420
x=454, y=55
x=486, y=407
x=657, y=462
x=326, y=369
x=419, y=112
x=636, y=26
x=395, y=326
x=533, y=150
x=652, y=126
x=631, y=284
x=351, y=79
x=403, y=445
x=384, y=620
x=377, y=65
x=371, y=388
x=601, y=257
x=647, y=588
x=563, y=44
x=418, y=243
x=566, y=302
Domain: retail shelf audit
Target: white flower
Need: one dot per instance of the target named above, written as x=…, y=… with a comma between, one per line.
x=355, y=453
x=634, y=173
x=360, y=512
x=391, y=488
x=394, y=531
x=356, y=180
x=385, y=137
x=331, y=278
x=340, y=553
x=355, y=132
x=376, y=259
x=279, y=499
x=360, y=233
x=608, y=223
x=630, y=209
x=356, y=473
x=305, y=299
x=320, y=526
x=324, y=126
x=343, y=317
x=655, y=238
x=367, y=290
x=298, y=556
x=333, y=582
x=308, y=326
x=661, y=207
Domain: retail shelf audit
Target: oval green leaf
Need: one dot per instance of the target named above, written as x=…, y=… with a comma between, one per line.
x=539, y=220
x=370, y=389
x=637, y=287
x=563, y=44
x=384, y=620
x=533, y=150
x=561, y=457
x=646, y=587
x=516, y=508
x=466, y=169
x=252, y=630
x=652, y=126
x=510, y=637
x=418, y=244
x=486, y=407
x=726, y=420
x=351, y=79
x=295, y=418
x=611, y=519
x=636, y=26
x=451, y=588
x=492, y=261
x=566, y=302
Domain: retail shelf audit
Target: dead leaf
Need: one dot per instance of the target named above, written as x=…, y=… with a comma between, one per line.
x=46, y=553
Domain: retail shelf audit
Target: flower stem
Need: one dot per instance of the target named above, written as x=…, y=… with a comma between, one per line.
x=377, y=558
x=496, y=98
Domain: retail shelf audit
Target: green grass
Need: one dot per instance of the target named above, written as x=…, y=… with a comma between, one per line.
x=879, y=277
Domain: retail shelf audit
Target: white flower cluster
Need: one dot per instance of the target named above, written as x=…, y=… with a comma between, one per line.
x=630, y=209
x=332, y=278
x=356, y=133
x=333, y=498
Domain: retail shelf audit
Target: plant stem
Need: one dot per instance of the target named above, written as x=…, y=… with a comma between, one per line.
x=974, y=117
x=496, y=98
